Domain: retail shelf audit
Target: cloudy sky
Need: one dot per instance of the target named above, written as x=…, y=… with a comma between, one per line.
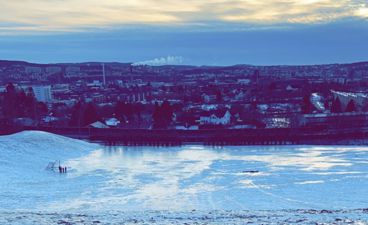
x=213, y=32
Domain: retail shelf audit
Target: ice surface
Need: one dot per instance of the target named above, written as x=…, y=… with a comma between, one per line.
x=149, y=180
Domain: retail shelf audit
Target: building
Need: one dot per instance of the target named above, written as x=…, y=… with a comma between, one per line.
x=53, y=69
x=33, y=70
x=42, y=93
x=216, y=119
x=334, y=120
x=72, y=71
x=360, y=99
x=112, y=122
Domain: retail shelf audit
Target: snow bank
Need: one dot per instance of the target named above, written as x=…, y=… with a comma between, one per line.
x=24, y=157
x=356, y=217
x=30, y=141
x=33, y=150
x=40, y=142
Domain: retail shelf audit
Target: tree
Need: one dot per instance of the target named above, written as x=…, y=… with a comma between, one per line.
x=106, y=111
x=167, y=113
x=42, y=108
x=10, y=88
x=31, y=104
x=162, y=115
x=119, y=111
x=272, y=86
x=307, y=106
x=76, y=117
x=125, y=111
x=156, y=114
x=22, y=104
x=351, y=106
x=10, y=107
x=90, y=114
x=336, y=106
x=326, y=104
x=137, y=109
x=218, y=96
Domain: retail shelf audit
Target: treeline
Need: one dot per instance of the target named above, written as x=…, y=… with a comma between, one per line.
x=83, y=114
x=19, y=103
x=16, y=103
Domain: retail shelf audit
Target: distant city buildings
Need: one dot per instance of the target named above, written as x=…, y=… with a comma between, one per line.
x=234, y=97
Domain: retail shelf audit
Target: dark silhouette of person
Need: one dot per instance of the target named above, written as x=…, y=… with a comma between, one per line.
x=65, y=170
x=60, y=169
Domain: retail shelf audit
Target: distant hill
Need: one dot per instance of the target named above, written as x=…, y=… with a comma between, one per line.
x=21, y=71
x=181, y=67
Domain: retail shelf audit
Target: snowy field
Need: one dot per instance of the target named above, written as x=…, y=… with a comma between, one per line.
x=180, y=185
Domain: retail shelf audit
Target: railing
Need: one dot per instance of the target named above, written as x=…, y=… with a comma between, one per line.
x=209, y=136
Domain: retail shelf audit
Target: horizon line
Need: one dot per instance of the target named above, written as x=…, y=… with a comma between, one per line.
x=192, y=65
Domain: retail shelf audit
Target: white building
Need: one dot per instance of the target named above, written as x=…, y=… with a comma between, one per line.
x=112, y=122
x=360, y=99
x=216, y=119
x=42, y=93
x=317, y=101
x=98, y=124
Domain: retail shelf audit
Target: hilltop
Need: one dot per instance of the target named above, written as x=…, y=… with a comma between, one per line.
x=15, y=71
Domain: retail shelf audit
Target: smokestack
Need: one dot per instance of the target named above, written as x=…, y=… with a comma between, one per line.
x=104, y=74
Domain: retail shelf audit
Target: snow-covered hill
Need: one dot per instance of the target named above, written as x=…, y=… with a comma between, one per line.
x=30, y=151
x=23, y=160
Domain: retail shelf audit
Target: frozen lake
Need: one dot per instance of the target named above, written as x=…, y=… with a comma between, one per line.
x=178, y=179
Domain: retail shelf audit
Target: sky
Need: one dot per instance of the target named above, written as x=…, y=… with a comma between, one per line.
x=197, y=32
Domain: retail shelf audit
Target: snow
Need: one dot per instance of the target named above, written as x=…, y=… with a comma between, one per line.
x=23, y=159
x=317, y=101
x=113, y=122
x=354, y=217
x=351, y=94
x=177, y=185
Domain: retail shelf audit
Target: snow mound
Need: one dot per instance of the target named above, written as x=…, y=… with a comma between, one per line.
x=33, y=146
x=40, y=141
x=24, y=180
x=28, y=150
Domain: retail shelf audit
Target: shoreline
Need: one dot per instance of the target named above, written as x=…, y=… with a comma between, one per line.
x=216, y=137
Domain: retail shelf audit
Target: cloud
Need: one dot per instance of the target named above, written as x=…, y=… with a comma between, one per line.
x=169, y=60
x=76, y=15
x=304, y=11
